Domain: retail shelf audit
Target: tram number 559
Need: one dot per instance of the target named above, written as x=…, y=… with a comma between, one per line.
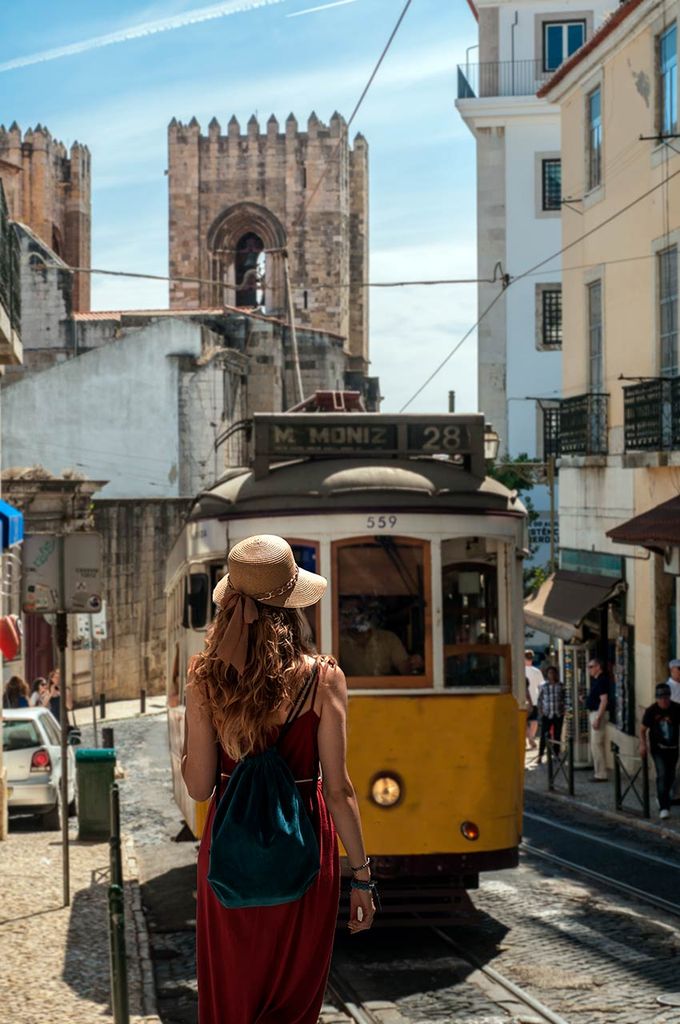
x=381, y=522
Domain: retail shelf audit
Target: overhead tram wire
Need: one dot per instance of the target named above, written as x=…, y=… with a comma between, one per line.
x=511, y=280
x=357, y=107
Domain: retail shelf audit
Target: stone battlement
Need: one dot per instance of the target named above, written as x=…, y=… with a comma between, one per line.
x=48, y=188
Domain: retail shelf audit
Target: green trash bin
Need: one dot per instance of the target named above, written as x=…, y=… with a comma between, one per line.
x=95, y=774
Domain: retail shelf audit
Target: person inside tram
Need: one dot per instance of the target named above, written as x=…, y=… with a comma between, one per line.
x=368, y=650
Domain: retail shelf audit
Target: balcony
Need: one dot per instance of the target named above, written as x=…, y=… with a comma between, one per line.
x=10, y=298
x=583, y=425
x=651, y=415
x=501, y=78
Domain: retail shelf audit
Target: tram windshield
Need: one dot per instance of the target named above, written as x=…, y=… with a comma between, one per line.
x=381, y=609
x=472, y=653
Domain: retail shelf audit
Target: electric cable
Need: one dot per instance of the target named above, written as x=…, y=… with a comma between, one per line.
x=453, y=351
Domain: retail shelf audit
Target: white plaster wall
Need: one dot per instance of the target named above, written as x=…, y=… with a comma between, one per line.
x=525, y=30
x=592, y=503
x=112, y=413
x=529, y=239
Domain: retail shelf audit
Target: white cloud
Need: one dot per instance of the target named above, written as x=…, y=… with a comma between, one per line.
x=137, y=31
x=323, y=7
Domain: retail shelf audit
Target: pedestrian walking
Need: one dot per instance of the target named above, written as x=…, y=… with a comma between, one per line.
x=596, y=704
x=551, y=710
x=659, y=732
x=258, y=695
x=39, y=693
x=16, y=693
x=534, y=678
x=674, y=679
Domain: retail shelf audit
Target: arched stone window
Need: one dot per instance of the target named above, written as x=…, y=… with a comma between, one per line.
x=245, y=244
x=250, y=270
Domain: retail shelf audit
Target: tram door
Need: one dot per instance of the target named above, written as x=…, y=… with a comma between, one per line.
x=574, y=672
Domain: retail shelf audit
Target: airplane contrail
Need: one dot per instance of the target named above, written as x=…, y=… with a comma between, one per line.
x=137, y=31
x=323, y=7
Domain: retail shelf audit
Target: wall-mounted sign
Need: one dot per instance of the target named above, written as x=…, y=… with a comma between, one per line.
x=41, y=589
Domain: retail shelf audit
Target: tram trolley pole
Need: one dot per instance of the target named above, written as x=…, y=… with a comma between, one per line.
x=118, y=957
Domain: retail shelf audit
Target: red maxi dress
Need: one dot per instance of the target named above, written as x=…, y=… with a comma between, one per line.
x=269, y=965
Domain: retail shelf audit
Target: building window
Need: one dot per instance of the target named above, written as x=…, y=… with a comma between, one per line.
x=668, y=311
x=560, y=40
x=668, y=81
x=551, y=187
x=596, y=368
x=594, y=107
x=551, y=332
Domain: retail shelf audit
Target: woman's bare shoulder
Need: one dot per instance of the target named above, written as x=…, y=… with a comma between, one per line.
x=331, y=676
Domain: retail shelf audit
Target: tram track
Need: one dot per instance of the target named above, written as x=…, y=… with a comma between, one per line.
x=623, y=850
x=495, y=987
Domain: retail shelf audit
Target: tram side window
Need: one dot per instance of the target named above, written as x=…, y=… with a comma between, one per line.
x=307, y=557
x=472, y=654
x=196, y=604
x=381, y=608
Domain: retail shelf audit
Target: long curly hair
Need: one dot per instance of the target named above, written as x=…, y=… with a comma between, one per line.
x=241, y=707
x=14, y=690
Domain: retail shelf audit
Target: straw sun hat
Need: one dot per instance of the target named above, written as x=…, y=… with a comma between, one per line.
x=264, y=569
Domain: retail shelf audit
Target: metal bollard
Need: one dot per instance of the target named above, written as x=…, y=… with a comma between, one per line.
x=645, y=787
x=118, y=959
x=618, y=799
x=142, y=701
x=570, y=755
x=107, y=737
x=114, y=838
x=102, y=705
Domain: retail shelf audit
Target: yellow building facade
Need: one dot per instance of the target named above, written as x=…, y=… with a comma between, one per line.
x=619, y=423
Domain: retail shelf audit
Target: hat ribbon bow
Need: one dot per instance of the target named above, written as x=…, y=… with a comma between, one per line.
x=233, y=647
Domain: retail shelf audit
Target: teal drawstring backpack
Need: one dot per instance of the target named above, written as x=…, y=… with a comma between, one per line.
x=263, y=848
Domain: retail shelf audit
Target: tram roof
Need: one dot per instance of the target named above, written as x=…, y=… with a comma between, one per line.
x=422, y=484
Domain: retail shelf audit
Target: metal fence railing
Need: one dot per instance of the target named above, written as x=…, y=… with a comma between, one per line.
x=651, y=410
x=632, y=783
x=501, y=78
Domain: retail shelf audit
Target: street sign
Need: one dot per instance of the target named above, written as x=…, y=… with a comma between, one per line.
x=91, y=627
x=82, y=573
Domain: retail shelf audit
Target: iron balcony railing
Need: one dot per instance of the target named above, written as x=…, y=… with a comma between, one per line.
x=10, y=295
x=651, y=415
x=551, y=431
x=501, y=78
x=583, y=425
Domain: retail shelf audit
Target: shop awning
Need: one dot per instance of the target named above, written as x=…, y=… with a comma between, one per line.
x=564, y=600
x=657, y=529
x=11, y=525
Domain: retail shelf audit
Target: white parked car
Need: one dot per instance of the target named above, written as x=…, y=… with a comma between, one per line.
x=31, y=744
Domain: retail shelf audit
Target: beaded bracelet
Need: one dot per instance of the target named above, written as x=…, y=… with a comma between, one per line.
x=362, y=867
x=367, y=887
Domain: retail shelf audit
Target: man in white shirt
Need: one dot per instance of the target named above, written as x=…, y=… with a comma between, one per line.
x=674, y=679
x=535, y=681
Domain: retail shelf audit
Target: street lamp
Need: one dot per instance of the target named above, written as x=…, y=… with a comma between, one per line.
x=492, y=443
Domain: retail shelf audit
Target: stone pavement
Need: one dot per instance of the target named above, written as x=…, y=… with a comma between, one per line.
x=55, y=959
x=116, y=710
x=599, y=798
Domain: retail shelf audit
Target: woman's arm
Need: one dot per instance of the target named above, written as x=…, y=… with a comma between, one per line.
x=199, y=757
x=339, y=791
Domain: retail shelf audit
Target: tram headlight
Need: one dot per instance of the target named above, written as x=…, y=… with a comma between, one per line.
x=470, y=830
x=386, y=790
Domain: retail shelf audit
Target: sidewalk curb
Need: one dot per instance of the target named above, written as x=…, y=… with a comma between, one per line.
x=131, y=876
x=617, y=817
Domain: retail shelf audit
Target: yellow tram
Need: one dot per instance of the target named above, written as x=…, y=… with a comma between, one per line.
x=423, y=554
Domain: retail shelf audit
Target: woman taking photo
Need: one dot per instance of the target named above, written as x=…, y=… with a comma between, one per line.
x=257, y=687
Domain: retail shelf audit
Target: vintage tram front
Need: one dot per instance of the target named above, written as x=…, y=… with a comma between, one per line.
x=423, y=554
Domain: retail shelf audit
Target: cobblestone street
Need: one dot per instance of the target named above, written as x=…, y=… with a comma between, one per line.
x=587, y=955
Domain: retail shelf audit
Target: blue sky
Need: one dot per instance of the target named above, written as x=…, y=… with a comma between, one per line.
x=119, y=98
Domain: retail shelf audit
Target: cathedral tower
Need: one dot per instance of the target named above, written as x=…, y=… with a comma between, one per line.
x=48, y=189
x=239, y=200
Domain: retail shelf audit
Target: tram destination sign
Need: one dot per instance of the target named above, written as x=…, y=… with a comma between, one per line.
x=296, y=435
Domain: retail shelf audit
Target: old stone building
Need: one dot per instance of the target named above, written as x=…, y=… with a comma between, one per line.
x=238, y=201
x=48, y=189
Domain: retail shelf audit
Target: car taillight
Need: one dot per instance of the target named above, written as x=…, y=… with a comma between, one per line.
x=40, y=762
